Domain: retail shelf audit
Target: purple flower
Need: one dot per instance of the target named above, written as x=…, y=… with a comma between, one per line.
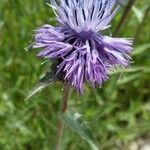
x=82, y=53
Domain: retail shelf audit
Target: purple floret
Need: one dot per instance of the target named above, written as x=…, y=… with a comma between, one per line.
x=82, y=52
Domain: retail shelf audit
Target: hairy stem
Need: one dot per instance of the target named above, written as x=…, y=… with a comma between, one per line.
x=124, y=16
x=63, y=109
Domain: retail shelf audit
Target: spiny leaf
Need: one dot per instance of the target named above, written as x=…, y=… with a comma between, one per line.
x=125, y=70
x=131, y=70
x=141, y=49
x=42, y=84
x=75, y=125
x=129, y=78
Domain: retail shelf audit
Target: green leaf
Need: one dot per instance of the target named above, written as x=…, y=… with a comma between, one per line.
x=75, y=125
x=138, y=13
x=141, y=49
x=126, y=70
x=129, y=78
x=131, y=70
x=43, y=83
x=1, y=24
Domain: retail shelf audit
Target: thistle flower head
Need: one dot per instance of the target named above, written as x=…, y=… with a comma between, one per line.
x=82, y=53
x=85, y=16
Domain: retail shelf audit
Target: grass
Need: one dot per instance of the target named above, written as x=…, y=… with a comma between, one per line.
x=117, y=113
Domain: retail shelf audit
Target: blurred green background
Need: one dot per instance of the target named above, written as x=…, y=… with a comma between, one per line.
x=117, y=113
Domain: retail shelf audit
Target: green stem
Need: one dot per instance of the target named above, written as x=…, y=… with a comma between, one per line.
x=63, y=109
x=124, y=16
